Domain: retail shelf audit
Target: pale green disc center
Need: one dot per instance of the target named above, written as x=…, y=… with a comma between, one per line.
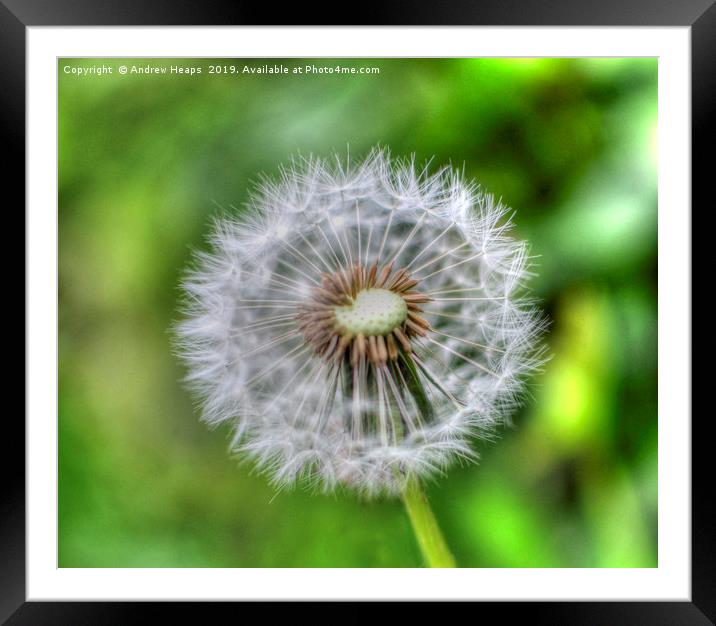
x=373, y=312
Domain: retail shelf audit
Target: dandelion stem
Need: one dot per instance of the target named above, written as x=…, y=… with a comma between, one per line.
x=427, y=532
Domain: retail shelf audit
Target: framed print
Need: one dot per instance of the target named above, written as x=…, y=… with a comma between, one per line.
x=359, y=312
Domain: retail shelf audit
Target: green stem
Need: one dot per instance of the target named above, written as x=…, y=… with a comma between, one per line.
x=430, y=539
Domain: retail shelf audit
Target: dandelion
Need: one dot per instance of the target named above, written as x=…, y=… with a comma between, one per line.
x=359, y=324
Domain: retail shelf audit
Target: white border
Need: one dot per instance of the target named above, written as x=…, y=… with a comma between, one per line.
x=670, y=581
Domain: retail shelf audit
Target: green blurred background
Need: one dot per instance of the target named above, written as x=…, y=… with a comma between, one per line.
x=144, y=162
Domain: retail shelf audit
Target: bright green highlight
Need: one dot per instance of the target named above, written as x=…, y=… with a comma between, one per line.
x=427, y=532
x=373, y=312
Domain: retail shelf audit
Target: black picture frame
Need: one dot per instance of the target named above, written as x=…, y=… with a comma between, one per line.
x=17, y=15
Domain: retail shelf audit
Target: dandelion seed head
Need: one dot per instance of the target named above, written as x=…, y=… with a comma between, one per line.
x=359, y=323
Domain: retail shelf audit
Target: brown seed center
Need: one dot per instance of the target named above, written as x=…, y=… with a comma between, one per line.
x=363, y=313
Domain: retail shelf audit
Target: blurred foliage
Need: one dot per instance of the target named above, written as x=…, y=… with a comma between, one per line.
x=145, y=161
